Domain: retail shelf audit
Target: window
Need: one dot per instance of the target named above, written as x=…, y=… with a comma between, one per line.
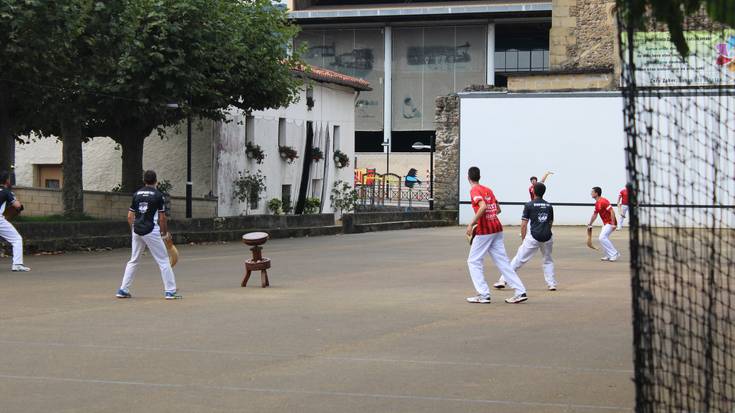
x=281, y=131
x=52, y=184
x=337, y=140
x=249, y=129
x=254, y=201
x=286, y=198
x=316, y=188
x=522, y=48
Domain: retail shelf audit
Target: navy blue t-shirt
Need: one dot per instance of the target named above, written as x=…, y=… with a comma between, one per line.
x=540, y=214
x=7, y=197
x=147, y=203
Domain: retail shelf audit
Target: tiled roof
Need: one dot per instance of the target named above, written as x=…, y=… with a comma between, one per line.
x=330, y=76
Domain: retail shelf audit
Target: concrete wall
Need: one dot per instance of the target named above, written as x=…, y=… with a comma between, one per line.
x=559, y=81
x=103, y=205
x=334, y=106
x=102, y=163
x=578, y=136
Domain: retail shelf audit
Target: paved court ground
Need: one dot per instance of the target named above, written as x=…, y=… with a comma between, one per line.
x=356, y=323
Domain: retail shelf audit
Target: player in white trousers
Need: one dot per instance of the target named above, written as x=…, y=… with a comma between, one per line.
x=488, y=240
x=540, y=215
x=622, y=207
x=609, y=222
x=7, y=230
x=147, y=220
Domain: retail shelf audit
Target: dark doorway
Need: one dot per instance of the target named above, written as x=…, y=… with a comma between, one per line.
x=301, y=202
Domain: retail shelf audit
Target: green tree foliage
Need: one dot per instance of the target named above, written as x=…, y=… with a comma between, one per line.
x=202, y=55
x=83, y=68
x=674, y=12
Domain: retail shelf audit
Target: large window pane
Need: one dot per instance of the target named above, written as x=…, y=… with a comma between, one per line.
x=430, y=62
x=353, y=52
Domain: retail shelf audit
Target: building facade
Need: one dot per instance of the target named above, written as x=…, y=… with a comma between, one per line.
x=414, y=52
x=322, y=118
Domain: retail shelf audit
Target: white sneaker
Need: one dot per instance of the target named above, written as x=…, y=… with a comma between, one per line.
x=20, y=268
x=479, y=299
x=552, y=288
x=606, y=258
x=500, y=285
x=615, y=258
x=517, y=299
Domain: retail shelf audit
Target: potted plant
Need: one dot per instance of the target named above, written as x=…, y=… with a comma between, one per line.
x=248, y=187
x=255, y=152
x=344, y=197
x=317, y=154
x=312, y=205
x=275, y=206
x=287, y=153
x=341, y=160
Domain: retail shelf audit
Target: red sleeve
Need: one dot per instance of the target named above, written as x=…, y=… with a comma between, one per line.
x=474, y=193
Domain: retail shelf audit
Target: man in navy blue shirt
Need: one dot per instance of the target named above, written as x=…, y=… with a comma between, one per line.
x=7, y=230
x=147, y=219
x=540, y=215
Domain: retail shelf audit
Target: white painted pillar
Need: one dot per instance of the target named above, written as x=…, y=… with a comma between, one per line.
x=490, y=75
x=388, y=87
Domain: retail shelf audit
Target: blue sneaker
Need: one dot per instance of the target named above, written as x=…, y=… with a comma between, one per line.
x=173, y=295
x=123, y=294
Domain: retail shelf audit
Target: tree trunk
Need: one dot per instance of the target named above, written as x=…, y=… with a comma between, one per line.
x=72, y=192
x=132, y=162
x=7, y=140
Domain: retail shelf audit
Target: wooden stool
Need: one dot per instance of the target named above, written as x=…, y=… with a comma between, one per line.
x=257, y=263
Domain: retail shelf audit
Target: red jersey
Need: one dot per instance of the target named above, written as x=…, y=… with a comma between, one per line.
x=488, y=223
x=624, y=196
x=603, y=207
x=532, y=192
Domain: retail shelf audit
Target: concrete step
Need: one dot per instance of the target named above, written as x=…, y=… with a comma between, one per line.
x=123, y=240
x=400, y=225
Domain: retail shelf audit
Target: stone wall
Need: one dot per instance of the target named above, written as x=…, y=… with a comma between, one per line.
x=583, y=35
x=446, y=156
x=560, y=81
x=103, y=205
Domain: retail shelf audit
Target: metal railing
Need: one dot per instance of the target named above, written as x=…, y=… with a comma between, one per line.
x=389, y=190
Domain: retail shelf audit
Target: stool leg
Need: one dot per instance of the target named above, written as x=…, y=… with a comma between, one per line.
x=264, y=279
x=245, y=280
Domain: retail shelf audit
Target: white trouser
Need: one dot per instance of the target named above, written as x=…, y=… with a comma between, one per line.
x=623, y=214
x=158, y=250
x=10, y=234
x=494, y=246
x=607, y=245
x=525, y=253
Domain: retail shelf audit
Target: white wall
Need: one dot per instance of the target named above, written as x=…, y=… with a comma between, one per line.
x=333, y=106
x=218, y=152
x=578, y=136
x=102, y=163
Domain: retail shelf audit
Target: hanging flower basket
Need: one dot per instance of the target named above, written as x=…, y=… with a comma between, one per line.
x=341, y=160
x=317, y=154
x=255, y=152
x=287, y=153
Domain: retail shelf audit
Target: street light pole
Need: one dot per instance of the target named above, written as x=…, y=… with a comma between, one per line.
x=419, y=146
x=431, y=172
x=188, y=166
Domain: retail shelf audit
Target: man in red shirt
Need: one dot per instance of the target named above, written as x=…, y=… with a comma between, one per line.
x=488, y=240
x=622, y=206
x=534, y=180
x=607, y=215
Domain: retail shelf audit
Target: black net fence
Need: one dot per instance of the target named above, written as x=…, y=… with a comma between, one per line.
x=680, y=130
